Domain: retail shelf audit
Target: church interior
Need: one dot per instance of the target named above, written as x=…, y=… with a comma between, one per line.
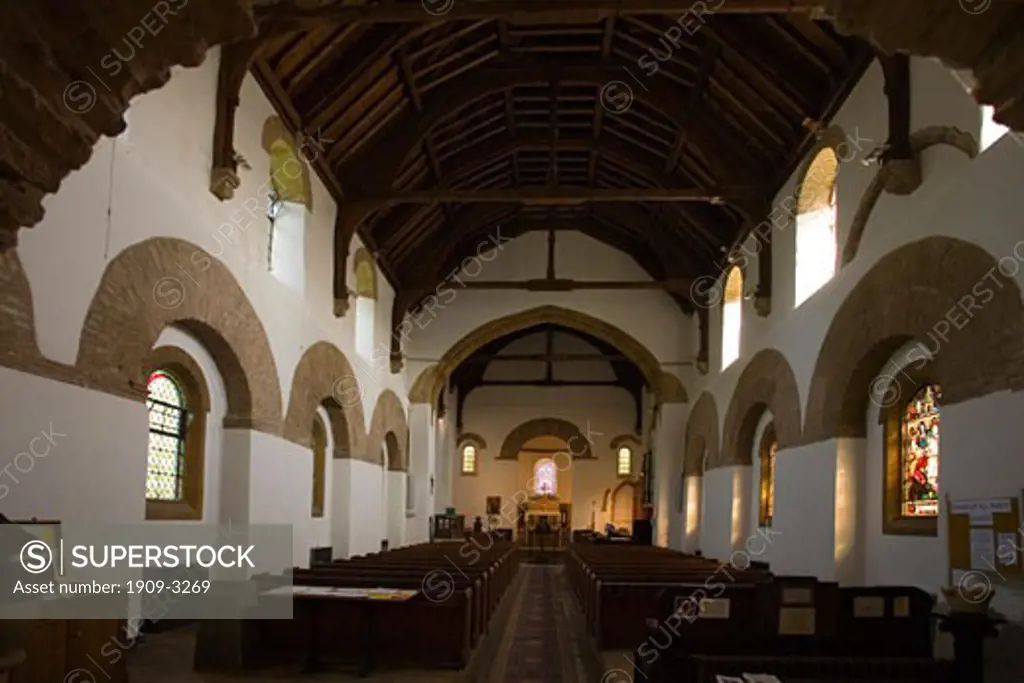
x=578, y=341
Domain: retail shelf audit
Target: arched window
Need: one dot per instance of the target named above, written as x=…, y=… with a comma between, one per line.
x=545, y=478
x=365, y=271
x=919, y=454
x=469, y=459
x=624, y=462
x=177, y=404
x=168, y=425
x=816, y=226
x=288, y=201
x=732, y=316
x=911, y=495
x=319, y=441
x=769, y=446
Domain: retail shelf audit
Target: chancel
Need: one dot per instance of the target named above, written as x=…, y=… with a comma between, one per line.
x=574, y=341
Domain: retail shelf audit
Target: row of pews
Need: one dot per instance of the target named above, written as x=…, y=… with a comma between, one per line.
x=689, y=618
x=436, y=604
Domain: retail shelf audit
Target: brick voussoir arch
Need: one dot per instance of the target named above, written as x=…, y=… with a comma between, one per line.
x=701, y=435
x=576, y=441
x=388, y=418
x=324, y=377
x=947, y=295
x=767, y=384
x=162, y=282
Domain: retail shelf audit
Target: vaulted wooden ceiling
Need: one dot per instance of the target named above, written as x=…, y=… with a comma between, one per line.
x=663, y=134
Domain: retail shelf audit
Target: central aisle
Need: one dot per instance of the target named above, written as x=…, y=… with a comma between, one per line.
x=541, y=643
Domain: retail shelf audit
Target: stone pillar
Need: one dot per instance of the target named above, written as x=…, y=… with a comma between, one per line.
x=669, y=445
x=422, y=467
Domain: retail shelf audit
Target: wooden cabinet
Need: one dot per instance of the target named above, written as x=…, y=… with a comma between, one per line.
x=55, y=648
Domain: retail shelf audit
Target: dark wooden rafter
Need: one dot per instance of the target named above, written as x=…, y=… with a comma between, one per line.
x=235, y=61
x=516, y=11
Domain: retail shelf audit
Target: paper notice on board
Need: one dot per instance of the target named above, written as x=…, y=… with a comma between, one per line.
x=1008, y=549
x=983, y=548
x=980, y=512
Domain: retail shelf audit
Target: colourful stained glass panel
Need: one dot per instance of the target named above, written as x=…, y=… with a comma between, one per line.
x=545, y=477
x=920, y=454
x=769, y=503
x=165, y=458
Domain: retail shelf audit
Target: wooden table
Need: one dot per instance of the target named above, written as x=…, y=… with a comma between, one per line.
x=316, y=596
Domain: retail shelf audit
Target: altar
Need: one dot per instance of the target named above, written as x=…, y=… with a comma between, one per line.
x=544, y=522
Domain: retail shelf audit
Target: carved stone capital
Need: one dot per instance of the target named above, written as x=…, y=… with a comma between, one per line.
x=902, y=176
x=223, y=182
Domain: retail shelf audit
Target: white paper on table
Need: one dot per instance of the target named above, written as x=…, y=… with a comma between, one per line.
x=760, y=678
x=983, y=548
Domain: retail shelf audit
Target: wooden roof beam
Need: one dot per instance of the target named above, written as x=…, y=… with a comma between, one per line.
x=518, y=12
x=565, y=196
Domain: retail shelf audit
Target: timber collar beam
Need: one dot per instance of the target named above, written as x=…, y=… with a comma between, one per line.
x=520, y=11
x=565, y=196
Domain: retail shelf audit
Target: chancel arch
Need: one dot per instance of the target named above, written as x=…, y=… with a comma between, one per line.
x=574, y=442
x=666, y=386
x=959, y=313
x=117, y=340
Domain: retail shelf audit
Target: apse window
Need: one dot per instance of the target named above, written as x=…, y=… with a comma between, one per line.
x=816, y=250
x=732, y=316
x=769, y=447
x=469, y=459
x=991, y=131
x=545, y=478
x=168, y=423
x=624, y=463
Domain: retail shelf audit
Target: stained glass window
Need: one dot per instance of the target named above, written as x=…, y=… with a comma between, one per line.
x=624, y=466
x=168, y=420
x=544, y=476
x=769, y=447
x=919, y=454
x=469, y=460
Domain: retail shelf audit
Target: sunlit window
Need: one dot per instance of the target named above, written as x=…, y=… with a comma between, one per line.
x=816, y=251
x=624, y=464
x=732, y=317
x=469, y=459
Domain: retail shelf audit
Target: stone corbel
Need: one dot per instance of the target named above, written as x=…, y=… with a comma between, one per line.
x=397, y=362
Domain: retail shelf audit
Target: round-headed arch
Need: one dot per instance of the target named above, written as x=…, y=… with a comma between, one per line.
x=289, y=173
x=666, y=386
x=577, y=443
x=701, y=436
x=389, y=428
x=767, y=384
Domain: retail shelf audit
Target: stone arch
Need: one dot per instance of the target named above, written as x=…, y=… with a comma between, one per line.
x=365, y=270
x=576, y=443
x=701, y=436
x=389, y=426
x=625, y=440
x=323, y=376
x=289, y=172
x=767, y=384
x=665, y=386
x=471, y=439
x=919, y=141
x=615, y=514
x=925, y=287
x=165, y=281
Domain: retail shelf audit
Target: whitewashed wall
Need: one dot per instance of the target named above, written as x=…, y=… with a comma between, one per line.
x=493, y=412
x=835, y=531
